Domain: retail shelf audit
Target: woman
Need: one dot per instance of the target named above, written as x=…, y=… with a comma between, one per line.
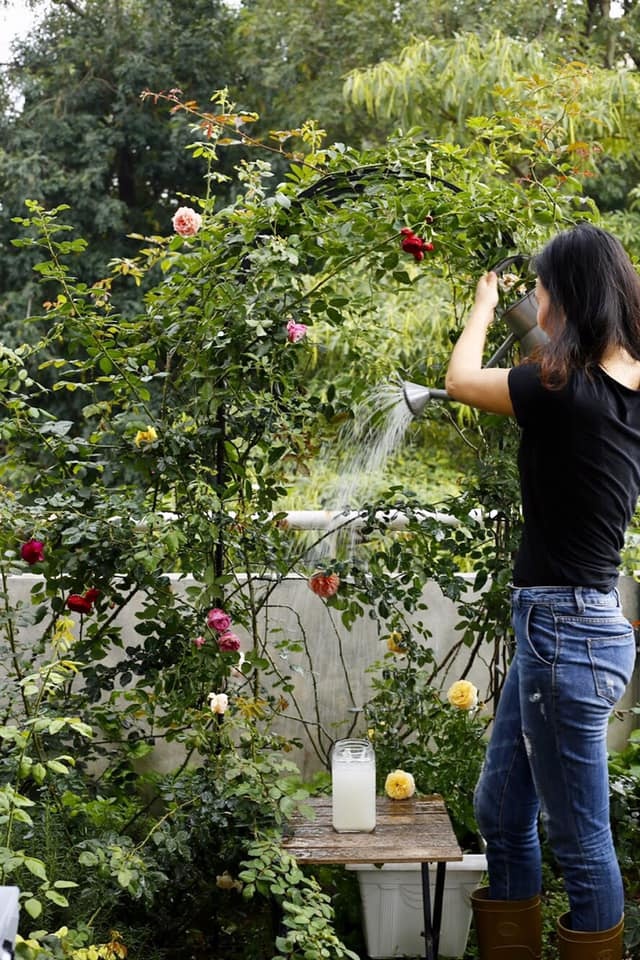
x=578, y=406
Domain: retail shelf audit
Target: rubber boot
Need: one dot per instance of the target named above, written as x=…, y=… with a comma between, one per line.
x=584, y=945
x=507, y=929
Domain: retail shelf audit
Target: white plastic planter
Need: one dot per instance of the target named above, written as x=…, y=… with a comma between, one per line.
x=392, y=906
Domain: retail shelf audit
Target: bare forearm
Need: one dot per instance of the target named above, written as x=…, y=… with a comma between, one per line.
x=466, y=379
x=467, y=354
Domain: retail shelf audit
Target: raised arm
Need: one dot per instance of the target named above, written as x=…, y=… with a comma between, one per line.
x=466, y=380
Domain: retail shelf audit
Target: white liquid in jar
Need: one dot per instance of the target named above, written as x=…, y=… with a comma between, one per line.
x=353, y=783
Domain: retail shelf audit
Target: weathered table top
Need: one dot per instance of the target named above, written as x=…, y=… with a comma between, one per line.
x=417, y=830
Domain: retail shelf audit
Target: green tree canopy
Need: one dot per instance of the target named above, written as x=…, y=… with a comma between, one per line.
x=80, y=133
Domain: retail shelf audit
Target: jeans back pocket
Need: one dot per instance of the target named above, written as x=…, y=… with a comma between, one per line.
x=612, y=660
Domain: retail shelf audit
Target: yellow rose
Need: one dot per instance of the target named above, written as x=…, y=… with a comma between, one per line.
x=394, y=642
x=463, y=695
x=399, y=785
x=145, y=436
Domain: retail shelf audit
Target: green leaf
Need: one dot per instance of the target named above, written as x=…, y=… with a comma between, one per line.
x=36, y=867
x=33, y=907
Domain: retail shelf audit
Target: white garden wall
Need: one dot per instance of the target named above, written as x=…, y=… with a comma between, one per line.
x=330, y=676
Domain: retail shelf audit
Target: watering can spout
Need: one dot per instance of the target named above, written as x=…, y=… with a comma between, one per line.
x=416, y=396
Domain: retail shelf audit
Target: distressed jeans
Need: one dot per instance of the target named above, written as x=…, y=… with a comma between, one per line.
x=548, y=750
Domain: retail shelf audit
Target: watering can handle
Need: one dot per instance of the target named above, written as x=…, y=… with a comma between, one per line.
x=508, y=262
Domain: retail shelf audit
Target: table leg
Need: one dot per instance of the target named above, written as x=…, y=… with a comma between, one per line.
x=432, y=922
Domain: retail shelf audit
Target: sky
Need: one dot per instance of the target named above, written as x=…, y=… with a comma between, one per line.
x=15, y=20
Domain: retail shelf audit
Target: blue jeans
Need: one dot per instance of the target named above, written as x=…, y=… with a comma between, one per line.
x=548, y=750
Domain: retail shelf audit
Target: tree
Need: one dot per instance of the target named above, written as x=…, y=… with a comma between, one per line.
x=81, y=134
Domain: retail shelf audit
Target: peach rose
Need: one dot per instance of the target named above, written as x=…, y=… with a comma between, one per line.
x=186, y=222
x=324, y=584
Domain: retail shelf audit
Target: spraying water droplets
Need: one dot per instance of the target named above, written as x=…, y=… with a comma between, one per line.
x=378, y=428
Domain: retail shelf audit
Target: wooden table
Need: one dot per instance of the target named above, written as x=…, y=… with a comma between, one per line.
x=407, y=831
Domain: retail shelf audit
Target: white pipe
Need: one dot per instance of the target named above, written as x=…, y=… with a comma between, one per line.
x=337, y=519
x=356, y=519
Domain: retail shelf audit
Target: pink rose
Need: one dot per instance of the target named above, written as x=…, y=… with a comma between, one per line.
x=186, y=222
x=296, y=331
x=228, y=642
x=199, y=642
x=32, y=551
x=218, y=620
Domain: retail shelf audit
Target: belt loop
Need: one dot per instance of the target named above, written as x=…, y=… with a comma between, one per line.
x=577, y=593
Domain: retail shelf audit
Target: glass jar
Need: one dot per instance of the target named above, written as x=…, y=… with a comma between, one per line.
x=353, y=786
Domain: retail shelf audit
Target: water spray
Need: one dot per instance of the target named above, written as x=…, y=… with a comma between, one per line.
x=520, y=317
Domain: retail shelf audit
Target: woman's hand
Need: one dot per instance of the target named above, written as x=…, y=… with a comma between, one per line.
x=487, y=292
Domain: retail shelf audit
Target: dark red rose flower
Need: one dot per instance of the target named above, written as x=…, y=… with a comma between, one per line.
x=79, y=604
x=32, y=551
x=92, y=594
x=413, y=244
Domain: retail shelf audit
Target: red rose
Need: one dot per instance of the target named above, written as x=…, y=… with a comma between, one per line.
x=91, y=594
x=324, y=584
x=413, y=244
x=32, y=551
x=79, y=604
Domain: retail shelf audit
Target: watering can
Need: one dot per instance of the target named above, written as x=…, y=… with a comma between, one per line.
x=519, y=316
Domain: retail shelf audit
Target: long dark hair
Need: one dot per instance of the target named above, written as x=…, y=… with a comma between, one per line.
x=595, y=301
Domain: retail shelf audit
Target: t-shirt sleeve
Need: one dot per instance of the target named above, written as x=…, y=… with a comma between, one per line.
x=528, y=397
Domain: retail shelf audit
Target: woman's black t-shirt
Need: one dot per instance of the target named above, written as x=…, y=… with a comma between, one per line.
x=579, y=463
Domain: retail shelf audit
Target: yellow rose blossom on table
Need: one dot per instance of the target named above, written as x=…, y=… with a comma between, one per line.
x=399, y=785
x=150, y=435
x=463, y=695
